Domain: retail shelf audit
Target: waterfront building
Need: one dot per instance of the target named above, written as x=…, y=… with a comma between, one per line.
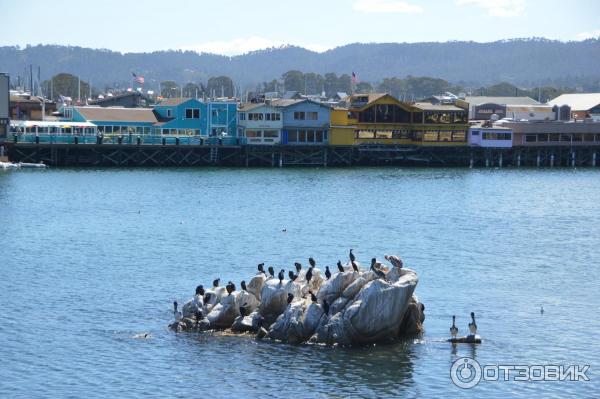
x=583, y=105
x=490, y=136
x=260, y=123
x=188, y=116
x=132, y=99
x=554, y=133
x=380, y=118
x=305, y=122
x=114, y=120
x=24, y=106
x=483, y=107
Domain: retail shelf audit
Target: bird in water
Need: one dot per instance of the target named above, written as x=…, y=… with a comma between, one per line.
x=352, y=257
x=313, y=297
x=354, y=266
x=200, y=290
x=281, y=276
x=453, y=328
x=292, y=276
x=394, y=260
x=290, y=298
x=230, y=287
x=473, y=325
x=243, y=285
x=340, y=267
x=312, y=262
x=176, y=314
x=244, y=310
x=325, y=307
x=261, y=268
x=378, y=272
x=327, y=272
x=216, y=282
x=542, y=310
x=309, y=274
x=271, y=271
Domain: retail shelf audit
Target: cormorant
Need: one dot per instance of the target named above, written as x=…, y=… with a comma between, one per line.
x=290, y=298
x=325, y=307
x=271, y=271
x=281, y=276
x=472, y=325
x=243, y=284
x=453, y=328
x=327, y=272
x=340, y=267
x=312, y=262
x=216, y=283
x=352, y=257
x=378, y=272
x=207, y=298
x=293, y=276
x=309, y=274
x=176, y=314
x=261, y=268
x=244, y=310
x=200, y=290
x=354, y=266
x=313, y=297
x=298, y=266
x=230, y=287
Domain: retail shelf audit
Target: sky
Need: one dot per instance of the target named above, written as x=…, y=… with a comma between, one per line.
x=232, y=27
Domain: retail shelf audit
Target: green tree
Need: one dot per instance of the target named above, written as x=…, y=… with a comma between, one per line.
x=293, y=80
x=313, y=83
x=192, y=90
x=364, y=88
x=65, y=84
x=169, y=89
x=220, y=86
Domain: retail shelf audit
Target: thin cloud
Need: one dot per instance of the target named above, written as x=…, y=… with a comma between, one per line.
x=589, y=35
x=386, y=6
x=497, y=8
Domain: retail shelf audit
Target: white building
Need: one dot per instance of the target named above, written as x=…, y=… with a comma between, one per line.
x=260, y=123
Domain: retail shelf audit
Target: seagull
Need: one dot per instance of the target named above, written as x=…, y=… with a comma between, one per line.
x=453, y=328
x=216, y=283
x=290, y=298
x=473, y=325
x=298, y=266
x=177, y=314
x=352, y=257
x=312, y=262
x=327, y=272
x=271, y=271
x=340, y=267
x=292, y=276
x=261, y=268
x=281, y=276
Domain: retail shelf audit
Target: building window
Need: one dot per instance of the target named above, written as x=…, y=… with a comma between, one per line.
x=312, y=116
x=275, y=117
x=530, y=138
x=242, y=116
x=299, y=116
x=169, y=113
x=270, y=133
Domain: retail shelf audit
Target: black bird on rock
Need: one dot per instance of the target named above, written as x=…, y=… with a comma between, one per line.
x=230, y=287
x=261, y=268
x=216, y=282
x=352, y=257
x=298, y=266
x=207, y=297
x=313, y=297
x=293, y=276
x=243, y=284
x=309, y=274
x=378, y=272
x=199, y=315
x=340, y=267
x=354, y=266
x=200, y=290
x=281, y=276
x=312, y=262
x=244, y=310
x=271, y=271
x=327, y=272
x=290, y=298
x=325, y=307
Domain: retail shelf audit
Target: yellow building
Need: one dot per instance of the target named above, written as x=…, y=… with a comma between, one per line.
x=381, y=119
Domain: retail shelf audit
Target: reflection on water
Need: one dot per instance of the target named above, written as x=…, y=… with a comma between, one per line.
x=91, y=258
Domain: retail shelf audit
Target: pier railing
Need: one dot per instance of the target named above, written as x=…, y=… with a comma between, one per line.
x=127, y=140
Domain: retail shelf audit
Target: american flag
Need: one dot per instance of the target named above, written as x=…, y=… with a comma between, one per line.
x=138, y=79
x=354, y=78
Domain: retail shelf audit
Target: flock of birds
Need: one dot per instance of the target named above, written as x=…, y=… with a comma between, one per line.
x=472, y=326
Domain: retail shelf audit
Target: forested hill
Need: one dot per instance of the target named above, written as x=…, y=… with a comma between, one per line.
x=522, y=61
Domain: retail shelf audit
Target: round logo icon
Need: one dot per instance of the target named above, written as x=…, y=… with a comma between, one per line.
x=465, y=372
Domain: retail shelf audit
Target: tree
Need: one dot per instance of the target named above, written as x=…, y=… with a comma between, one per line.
x=313, y=83
x=192, y=90
x=293, y=80
x=364, y=88
x=220, y=86
x=169, y=89
x=65, y=84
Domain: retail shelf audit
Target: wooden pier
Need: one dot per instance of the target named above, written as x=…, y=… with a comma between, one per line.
x=129, y=155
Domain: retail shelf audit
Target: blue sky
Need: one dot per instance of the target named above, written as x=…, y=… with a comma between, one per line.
x=237, y=26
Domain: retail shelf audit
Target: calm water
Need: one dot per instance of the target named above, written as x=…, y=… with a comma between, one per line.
x=89, y=258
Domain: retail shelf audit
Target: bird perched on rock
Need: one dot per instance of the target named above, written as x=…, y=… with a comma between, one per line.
x=352, y=257
x=281, y=276
x=394, y=260
x=207, y=297
x=230, y=287
x=176, y=313
x=261, y=268
x=340, y=267
x=271, y=271
x=312, y=262
x=309, y=274
x=292, y=276
x=243, y=285
x=473, y=325
x=298, y=267
x=378, y=272
x=290, y=298
x=200, y=290
x=453, y=328
x=313, y=297
x=199, y=315
x=354, y=266
x=216, y=282
x=325, y=307
x=327, y=272
x=244, y=310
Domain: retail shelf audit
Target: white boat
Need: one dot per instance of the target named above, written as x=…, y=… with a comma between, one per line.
x=8, y=165
x=32, y=165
